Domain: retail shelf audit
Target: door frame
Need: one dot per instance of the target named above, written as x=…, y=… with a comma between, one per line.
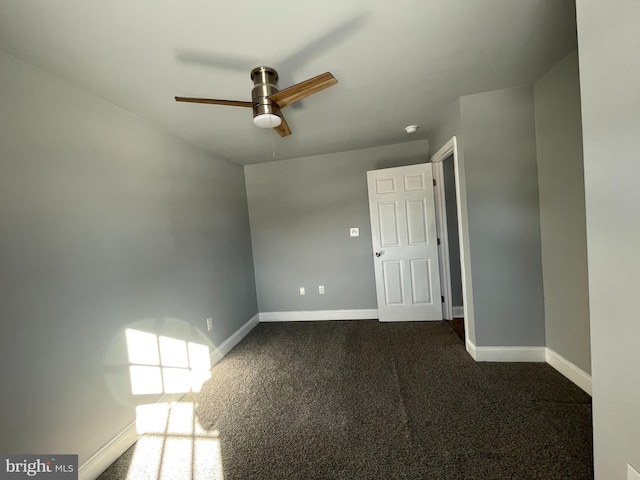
x=450, y=148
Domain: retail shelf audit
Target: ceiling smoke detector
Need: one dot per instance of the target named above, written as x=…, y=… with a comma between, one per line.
x=411, y=129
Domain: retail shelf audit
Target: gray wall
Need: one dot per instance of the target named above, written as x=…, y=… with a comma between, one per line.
x=106, y=223
x=301, y=211
x=450, y=125
x=504, y=218
x=609, y=71
x=562, y=212
x=452, y=231
x=497, y=152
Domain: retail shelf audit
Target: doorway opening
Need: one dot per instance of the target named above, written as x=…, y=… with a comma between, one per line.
x=449, y=246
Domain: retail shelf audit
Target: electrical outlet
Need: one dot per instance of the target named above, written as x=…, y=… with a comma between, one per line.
x=354, y=232
x=321, y=289
x=302, y=292
x=632, y=473
x=209, y=324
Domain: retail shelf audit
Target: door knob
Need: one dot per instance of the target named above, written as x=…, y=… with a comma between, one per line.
x=379, y=254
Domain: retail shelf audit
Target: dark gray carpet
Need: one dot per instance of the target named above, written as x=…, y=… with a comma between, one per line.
x=368, y=400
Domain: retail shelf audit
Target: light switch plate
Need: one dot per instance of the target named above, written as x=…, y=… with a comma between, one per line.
x=302, y=291
x=632, y=473
x=354, y=232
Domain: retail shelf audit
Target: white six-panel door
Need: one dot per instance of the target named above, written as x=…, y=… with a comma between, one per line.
x=405, y=244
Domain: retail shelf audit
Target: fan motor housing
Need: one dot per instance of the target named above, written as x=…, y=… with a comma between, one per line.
x=264, y=81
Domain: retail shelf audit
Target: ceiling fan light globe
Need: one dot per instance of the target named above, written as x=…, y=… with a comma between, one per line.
x=267, y=120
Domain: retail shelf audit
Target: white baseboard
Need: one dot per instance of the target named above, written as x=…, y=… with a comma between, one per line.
x=471, y=349
x=234, y=339
x=315, y=315
x=108, y=454
x=119, y=444
x=569, y=370
x=506, y=354
x=532, y=354
x=457, y=312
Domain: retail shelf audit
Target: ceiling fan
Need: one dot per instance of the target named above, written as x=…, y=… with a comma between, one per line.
x=267, y=101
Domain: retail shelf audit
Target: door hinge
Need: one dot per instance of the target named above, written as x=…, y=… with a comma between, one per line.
x=438, y=241
x=442, y=298
x=434, y=182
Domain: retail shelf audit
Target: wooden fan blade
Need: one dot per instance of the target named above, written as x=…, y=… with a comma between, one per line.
x=283, y=129
x=303, y=89
x=231, y=103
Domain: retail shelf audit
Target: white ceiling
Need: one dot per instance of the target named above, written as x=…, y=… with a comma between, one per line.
x=397, y=62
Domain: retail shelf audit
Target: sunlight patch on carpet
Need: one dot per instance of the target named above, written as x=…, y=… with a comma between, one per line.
x=175, y=445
